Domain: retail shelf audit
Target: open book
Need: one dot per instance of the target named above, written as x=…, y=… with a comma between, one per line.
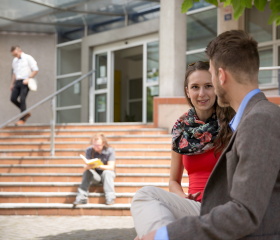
x=95, y=162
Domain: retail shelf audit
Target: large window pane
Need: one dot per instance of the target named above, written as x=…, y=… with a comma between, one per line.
x=70, y=96
x=68, y=116
x=152, y=92
x=278, y=32
x=201, y=29
x=265, y=76
x=152, y=62
x=256, y=24
x=101, y=71
x=69, y=59
x=152, y=77
x=201, y=56
x=100, y=107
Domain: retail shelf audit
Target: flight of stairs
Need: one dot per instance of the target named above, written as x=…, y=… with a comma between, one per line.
x=34, y=183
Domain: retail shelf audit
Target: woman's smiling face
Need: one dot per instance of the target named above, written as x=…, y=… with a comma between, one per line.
x=200, y=90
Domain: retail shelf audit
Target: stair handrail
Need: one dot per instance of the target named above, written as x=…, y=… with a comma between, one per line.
x=51, y=96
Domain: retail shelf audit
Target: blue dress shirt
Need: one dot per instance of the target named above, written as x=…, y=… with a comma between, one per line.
x=236, y=119
x=161, y=233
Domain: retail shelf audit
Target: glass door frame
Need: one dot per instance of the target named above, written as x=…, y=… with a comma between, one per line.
x=110, y=50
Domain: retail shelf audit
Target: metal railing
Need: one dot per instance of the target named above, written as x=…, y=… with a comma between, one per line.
x=50, y=97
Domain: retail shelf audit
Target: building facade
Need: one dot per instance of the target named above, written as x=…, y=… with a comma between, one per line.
x=138, y=59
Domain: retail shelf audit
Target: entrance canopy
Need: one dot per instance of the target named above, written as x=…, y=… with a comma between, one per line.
x=73, y=19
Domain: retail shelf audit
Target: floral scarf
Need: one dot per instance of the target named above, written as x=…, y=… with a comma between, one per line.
x=192, y=136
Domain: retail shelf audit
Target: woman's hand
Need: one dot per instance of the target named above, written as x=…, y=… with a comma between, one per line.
x=193, y=196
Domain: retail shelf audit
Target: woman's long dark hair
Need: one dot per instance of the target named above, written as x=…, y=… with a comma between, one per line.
x=224, y=114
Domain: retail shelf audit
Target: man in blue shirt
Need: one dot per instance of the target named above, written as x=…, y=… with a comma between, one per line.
x=241, y=198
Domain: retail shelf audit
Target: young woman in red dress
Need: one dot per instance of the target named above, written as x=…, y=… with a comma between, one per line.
x=199, y=135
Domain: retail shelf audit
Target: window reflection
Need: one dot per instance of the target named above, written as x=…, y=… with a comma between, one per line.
x=152, y=77
x=265, y=76
x=69, y=59
x=201, y=28
x=256, y=24
x=101, y=71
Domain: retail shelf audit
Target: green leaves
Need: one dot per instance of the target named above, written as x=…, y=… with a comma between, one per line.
x=186, y=5
x=240, y=5
x=275, y=16
x=260, y=4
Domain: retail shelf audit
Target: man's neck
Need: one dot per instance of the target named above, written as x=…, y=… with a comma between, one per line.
x=239, y=93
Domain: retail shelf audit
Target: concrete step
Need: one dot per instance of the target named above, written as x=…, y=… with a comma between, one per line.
x=81, y=145
x=70, y=126
x=59, y=197
x=77, y=160
x=78, y=168
x=120, y=187
x=76, y=152
x=62, y=209
x=86, y=138
x=74, y=177
x=72, y=132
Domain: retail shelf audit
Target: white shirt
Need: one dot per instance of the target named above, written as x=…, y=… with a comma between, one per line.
x=23, y=66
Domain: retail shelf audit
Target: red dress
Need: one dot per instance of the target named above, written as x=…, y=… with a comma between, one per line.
x=199, y=168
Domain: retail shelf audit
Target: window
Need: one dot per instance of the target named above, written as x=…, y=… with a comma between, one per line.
x=268, y=38
x=69, y=58
x=256, y=24
x=152, y=85
x=201, y=29
x=68, y=102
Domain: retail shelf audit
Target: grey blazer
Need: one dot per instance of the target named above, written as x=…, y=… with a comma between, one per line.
x=242, y=196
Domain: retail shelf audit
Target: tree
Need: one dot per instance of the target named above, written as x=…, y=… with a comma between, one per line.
x=240, y=5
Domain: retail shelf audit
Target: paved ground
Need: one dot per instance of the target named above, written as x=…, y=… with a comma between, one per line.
x=66, y=228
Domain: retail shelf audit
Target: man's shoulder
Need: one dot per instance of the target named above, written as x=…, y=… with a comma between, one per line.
x=260, y=103
x=264, y=105
x=261, y=111
x=27, y=56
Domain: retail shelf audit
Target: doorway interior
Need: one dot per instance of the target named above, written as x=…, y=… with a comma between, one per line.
x=128, y=84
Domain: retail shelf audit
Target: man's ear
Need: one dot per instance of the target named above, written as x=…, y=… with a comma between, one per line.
x=222, y=76
x=187, y=92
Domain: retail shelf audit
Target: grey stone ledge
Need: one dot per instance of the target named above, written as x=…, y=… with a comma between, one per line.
x=79, y=166
x=61, y=205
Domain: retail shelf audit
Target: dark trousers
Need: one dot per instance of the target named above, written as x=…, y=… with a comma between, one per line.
x=20, y=91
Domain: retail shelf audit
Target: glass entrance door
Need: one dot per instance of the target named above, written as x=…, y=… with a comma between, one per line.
x=125, y=83
x=100, y=88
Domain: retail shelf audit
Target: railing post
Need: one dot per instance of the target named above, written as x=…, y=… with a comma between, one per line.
x=52, y=126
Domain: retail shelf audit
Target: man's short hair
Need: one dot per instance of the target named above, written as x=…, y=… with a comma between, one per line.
x=235, y=51
x=13, y=48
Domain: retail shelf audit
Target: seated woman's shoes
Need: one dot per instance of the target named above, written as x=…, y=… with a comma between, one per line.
x=80, y=201
x=110, y=202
